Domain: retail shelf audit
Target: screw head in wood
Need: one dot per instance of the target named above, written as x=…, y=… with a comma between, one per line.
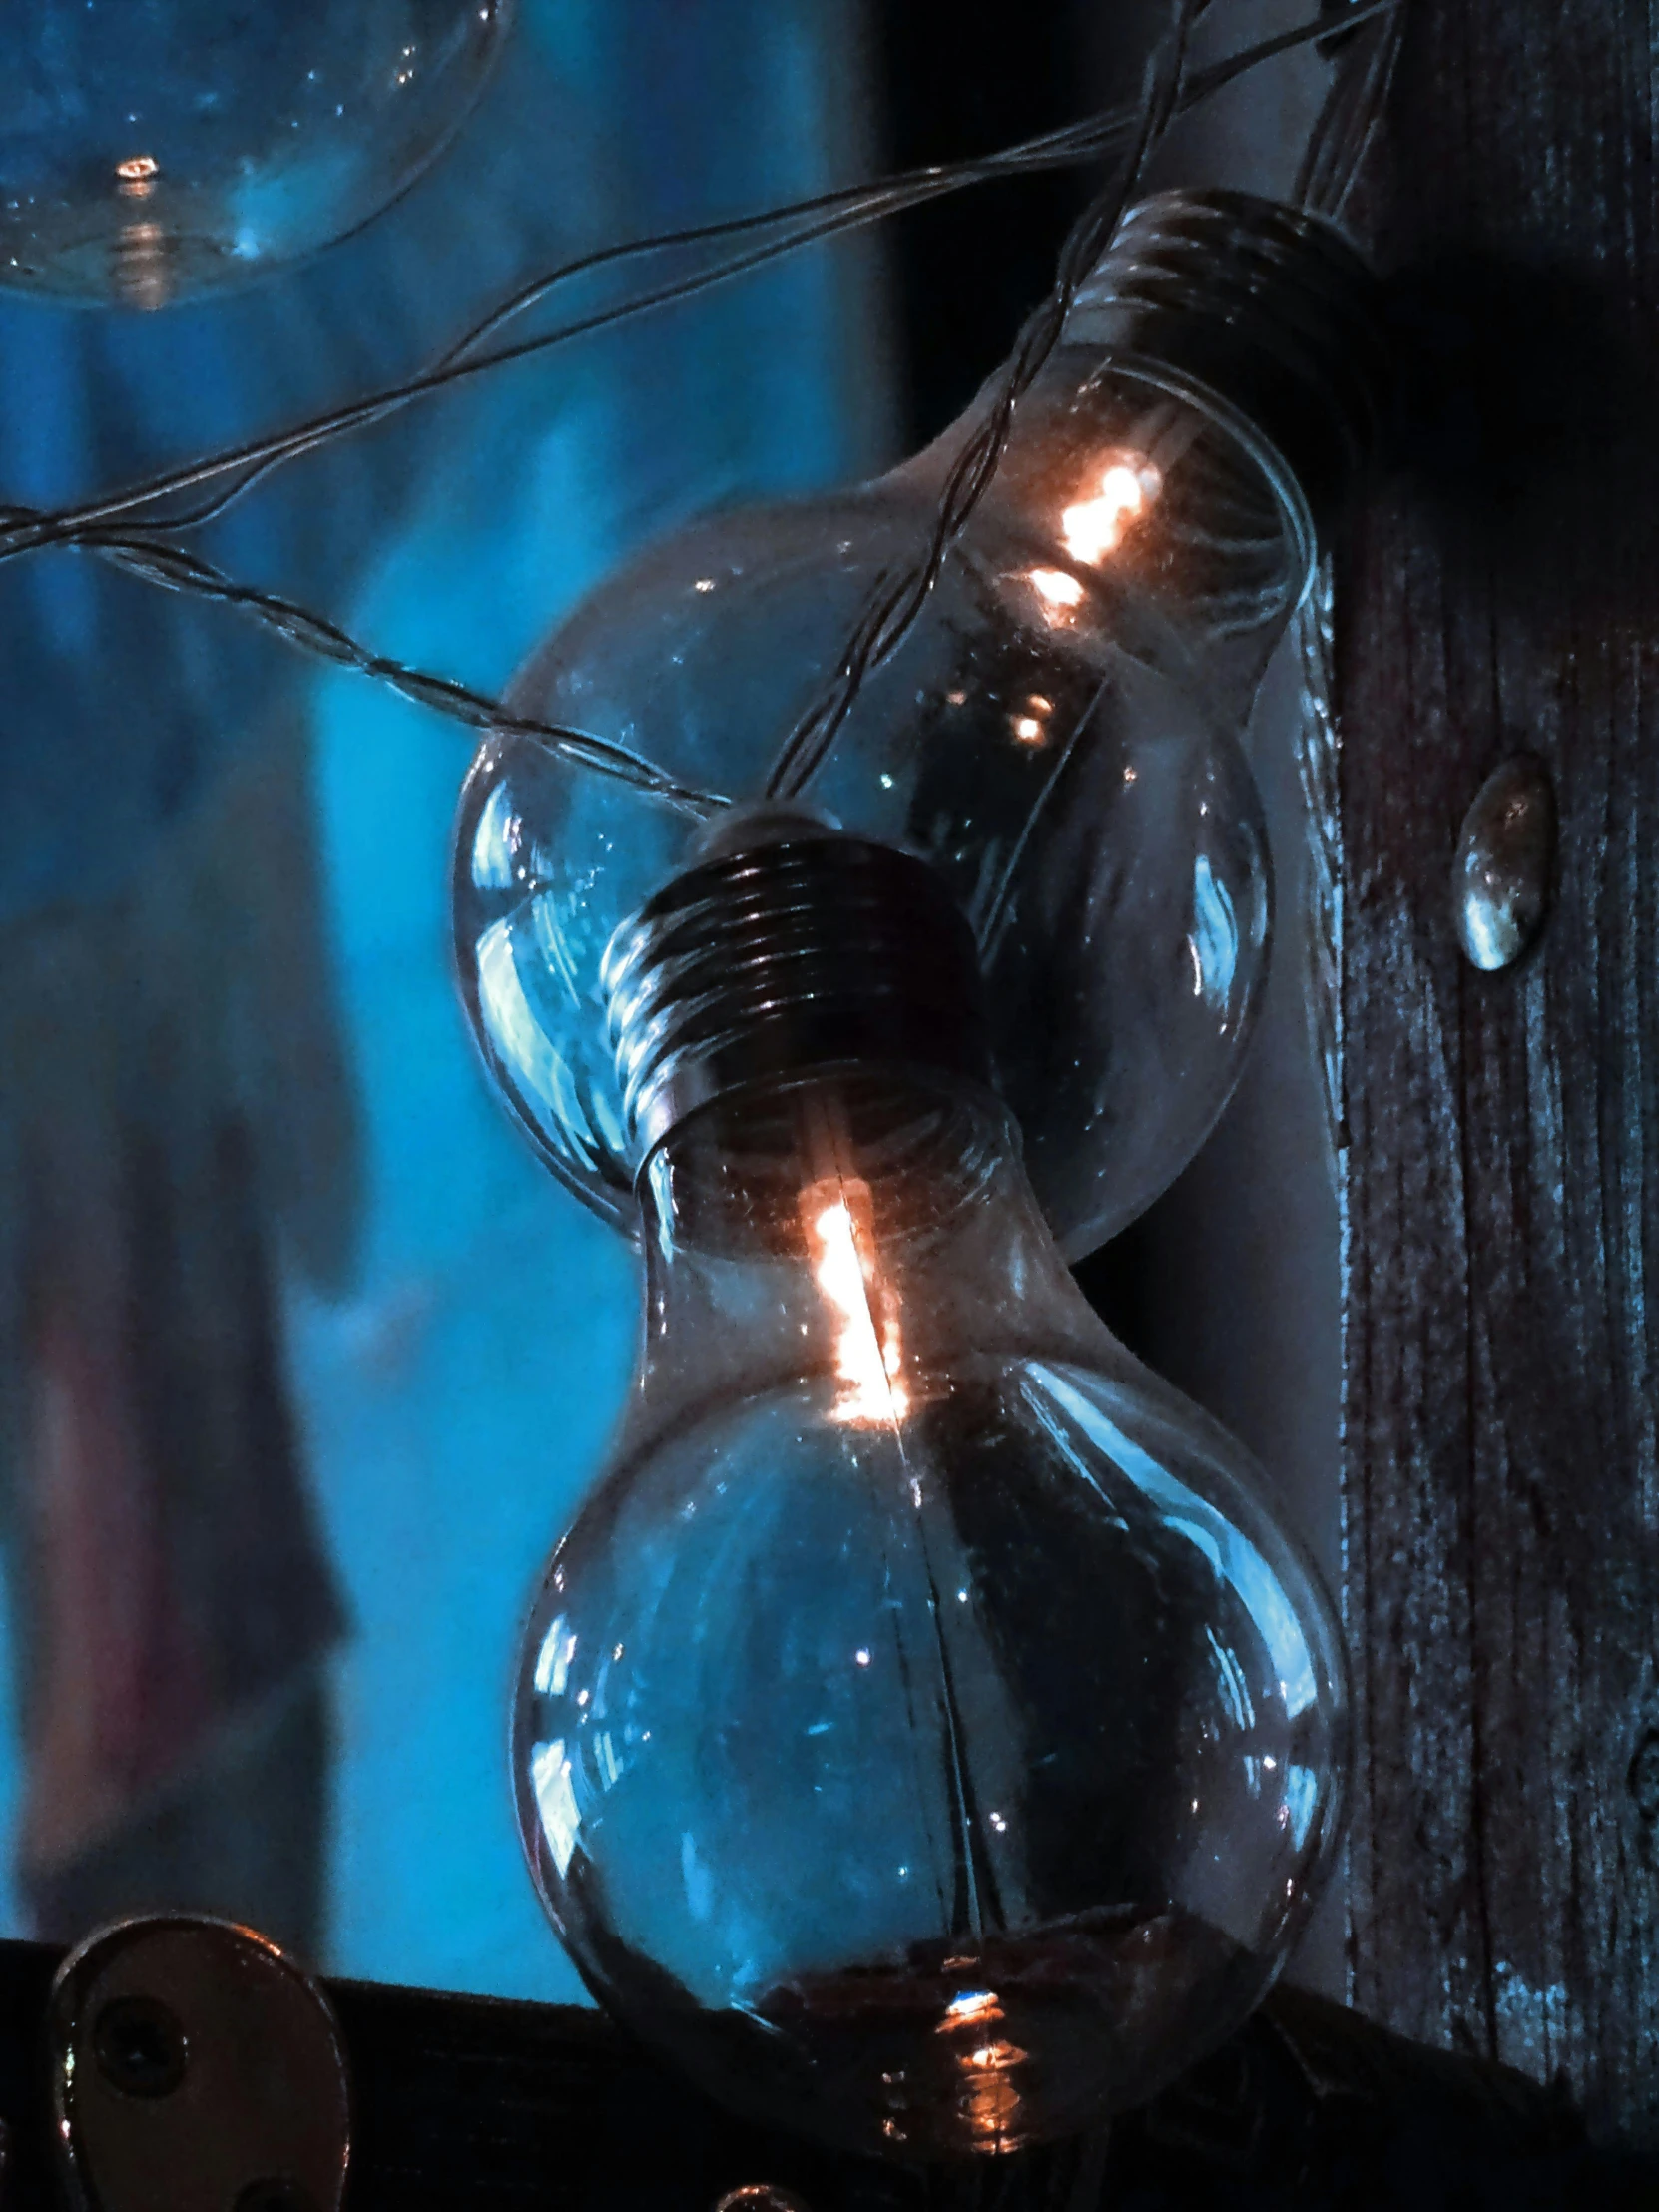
x=1505, y=862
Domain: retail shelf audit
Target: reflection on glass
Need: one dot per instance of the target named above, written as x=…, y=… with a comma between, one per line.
x=1059, y=735
x=1057, y=732
x=925, y=1734
x=156, y=152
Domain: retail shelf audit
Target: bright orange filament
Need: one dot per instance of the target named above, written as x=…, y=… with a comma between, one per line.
x=868, y=1348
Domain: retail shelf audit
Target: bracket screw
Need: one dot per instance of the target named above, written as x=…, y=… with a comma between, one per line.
x=139, y=2046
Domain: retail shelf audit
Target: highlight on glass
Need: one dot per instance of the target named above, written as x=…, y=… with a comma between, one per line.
x=1058, y=733
x=927, y=1735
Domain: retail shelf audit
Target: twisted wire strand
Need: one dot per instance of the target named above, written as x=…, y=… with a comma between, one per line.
x=173, y=568
x=1352, y=108
x=829, y=214
x=897, y=601
x=826, y=215
x=140, y=549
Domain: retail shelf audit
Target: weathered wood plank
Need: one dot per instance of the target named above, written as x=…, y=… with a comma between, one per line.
x=1501, y=1484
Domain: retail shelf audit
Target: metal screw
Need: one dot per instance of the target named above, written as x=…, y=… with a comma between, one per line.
x=759, y=2196
x=139, y=2048
x=1501, y=878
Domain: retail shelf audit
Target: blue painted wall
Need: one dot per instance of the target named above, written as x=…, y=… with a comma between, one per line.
x=456, y=1399
x=460, y=1401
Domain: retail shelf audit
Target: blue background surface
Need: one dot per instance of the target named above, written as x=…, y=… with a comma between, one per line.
x=457, y=1399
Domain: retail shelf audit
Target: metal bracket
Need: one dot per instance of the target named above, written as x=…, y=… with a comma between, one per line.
x=195, y=2068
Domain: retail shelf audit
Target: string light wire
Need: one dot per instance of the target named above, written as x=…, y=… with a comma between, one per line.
x=115, y=527
x=176, y=569
x=1368, y=52
x=850, y=207
x=895, y=602
x=1336, y=147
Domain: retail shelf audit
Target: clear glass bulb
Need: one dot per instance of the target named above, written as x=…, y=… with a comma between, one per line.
x=156, y=149
x=1058, y=734
x=925, y=1735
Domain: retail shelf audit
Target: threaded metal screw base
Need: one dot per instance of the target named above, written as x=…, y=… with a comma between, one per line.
x=784, y=960
x=1266, y=307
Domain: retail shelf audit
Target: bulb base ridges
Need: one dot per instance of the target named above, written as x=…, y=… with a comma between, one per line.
x=1256, y=303
x=786, y=960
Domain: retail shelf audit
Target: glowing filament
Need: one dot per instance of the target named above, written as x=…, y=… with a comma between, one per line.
x=868, y=1352
x=1094, y=527
x=1056, y=586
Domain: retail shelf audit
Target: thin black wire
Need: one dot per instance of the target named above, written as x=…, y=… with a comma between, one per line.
x=848, y=208
x=1347, y=120
x=897, y=602
x=1351, y=110
x=173, y=568
x=139, y=549
x=867, y=204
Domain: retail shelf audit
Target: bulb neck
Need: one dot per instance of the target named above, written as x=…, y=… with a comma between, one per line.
x=1255, y=308
x=783, y=964
x=830, y=1193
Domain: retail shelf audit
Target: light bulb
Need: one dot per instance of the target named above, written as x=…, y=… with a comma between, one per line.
x=925, y=1734
x=1058, y=734
x=156, y=149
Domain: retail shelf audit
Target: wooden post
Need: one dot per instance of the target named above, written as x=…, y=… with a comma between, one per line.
x=1501, y=595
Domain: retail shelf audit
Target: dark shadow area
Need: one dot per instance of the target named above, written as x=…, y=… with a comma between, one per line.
x=1523, y=429
x=959, y=81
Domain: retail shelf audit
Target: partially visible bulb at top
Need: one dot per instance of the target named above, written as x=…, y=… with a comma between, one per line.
x=1058, y=734
x=157, y=150
x=925, y=1734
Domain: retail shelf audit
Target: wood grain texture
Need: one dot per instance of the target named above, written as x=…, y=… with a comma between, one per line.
x=1501, y=1485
